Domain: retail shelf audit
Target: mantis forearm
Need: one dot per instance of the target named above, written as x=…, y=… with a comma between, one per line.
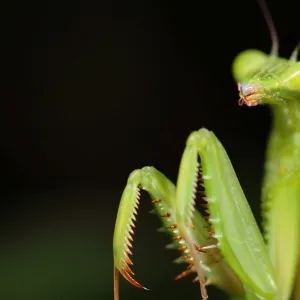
x=163, y=193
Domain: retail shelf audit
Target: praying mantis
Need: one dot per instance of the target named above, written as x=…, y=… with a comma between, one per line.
x=223, y=246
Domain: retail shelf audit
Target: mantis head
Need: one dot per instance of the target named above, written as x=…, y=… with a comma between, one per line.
x=266, y=79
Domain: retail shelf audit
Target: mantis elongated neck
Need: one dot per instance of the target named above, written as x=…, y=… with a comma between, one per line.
x=286, y=118
x=282, y=152
x=280, y=200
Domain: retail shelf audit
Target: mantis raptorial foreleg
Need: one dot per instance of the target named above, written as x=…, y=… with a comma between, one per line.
x=238, y=241
x=162, y=191
x=185, y=237
x=239, y=238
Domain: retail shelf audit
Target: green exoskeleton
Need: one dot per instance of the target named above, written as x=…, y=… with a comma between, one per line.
x=225, y=247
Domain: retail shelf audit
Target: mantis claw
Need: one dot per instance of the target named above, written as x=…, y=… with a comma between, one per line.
x=128, y=277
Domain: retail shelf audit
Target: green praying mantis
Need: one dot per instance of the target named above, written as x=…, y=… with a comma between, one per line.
x=223, y=246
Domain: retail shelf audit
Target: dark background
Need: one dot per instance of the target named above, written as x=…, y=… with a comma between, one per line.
x=93, y=90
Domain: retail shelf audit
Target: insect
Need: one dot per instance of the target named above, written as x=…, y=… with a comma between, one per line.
x=224, y=246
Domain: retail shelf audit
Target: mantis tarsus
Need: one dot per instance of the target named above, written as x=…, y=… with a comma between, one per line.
x=225, y=248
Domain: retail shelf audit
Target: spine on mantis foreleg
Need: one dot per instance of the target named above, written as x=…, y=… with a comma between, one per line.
x=231, y=219
x=276, y=81
x=163, y=193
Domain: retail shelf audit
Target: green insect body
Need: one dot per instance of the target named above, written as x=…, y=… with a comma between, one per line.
x=226, y=248
x=281, y=186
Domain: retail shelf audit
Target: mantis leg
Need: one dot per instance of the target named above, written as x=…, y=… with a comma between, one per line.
x=234, y=226
x=162, y=191
x=184, y=238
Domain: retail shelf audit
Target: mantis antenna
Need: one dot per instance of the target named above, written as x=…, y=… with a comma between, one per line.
x=271, y=26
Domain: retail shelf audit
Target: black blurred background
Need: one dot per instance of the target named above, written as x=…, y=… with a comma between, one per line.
x=93, y=90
